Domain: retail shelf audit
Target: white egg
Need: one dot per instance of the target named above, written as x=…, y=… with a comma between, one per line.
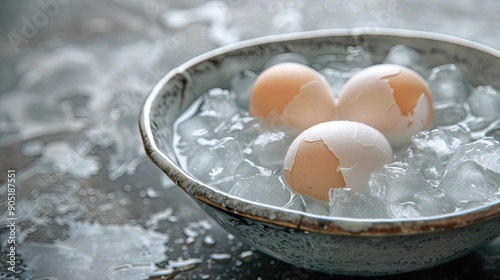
x=293, y=94
x=335, y=154
x=392, y=98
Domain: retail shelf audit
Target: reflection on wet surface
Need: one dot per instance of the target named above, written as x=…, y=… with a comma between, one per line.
x=89, y=204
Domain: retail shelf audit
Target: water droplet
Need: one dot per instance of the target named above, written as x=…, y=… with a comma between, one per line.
x=166, y=273
x=82, y=192
x=221, y=258
x=92, y=213
x=103, y=211
x=35, y=193
x=246, y=256
x=151, y=192
x=190, y=232
x=205, y=224
x=185, y=264
x=127, y=188
x=190, y=240
x=179, y=241
x=173, y=219
x=157, y=217
x=209, y=241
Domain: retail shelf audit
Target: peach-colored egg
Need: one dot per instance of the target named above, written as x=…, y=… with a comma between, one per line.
x=335, y=154
x=392, y=98
x=293, y=94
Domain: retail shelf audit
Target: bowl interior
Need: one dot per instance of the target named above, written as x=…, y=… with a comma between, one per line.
x=183, y=85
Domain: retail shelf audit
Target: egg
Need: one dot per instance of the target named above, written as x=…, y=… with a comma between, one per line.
x=293, y=94
x=392, y=98
x=335, y=154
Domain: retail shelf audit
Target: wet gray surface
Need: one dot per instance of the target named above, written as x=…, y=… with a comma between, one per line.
x=89, y=204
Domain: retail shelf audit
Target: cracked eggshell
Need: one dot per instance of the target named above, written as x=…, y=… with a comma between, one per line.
x=294, y=94
x=335, y=154
x=392, y=98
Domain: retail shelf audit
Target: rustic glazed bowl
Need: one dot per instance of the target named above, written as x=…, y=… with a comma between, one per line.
x=328, y=244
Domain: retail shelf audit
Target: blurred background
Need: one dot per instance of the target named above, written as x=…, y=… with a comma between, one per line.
x=73, y=75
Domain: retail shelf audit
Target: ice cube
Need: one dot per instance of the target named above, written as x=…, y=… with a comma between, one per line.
x=197, y=127
x=397, y=182
x=484, y=102
x=434, y=202
x=407, y=209
x=296, y=203
x=443, y=141
x=458, y=131
x=358, y=57
x=286, y=57
x=216, y=162
x=223, y=184
x=314, y=206
x=485, y=152
x=336, y=78
x=241, y=86
x=476, y=124
x=329, y=60
x=448, y=114
x=346, y=203
x=264, y=187
x=447, y=83
x=244, y=129
x=464, y=205
x=221, y=104
x=247, y=169
x=354, y=59
x=422, y=204
x=470, y=181
x=270, y=147
x=408, y=57
x=426, y=161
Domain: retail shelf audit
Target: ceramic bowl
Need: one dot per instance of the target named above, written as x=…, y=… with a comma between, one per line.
x=328, y=244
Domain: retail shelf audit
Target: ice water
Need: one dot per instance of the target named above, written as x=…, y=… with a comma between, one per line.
x=450, y=167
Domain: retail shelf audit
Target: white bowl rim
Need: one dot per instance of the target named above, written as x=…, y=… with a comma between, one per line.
x=307, y=221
